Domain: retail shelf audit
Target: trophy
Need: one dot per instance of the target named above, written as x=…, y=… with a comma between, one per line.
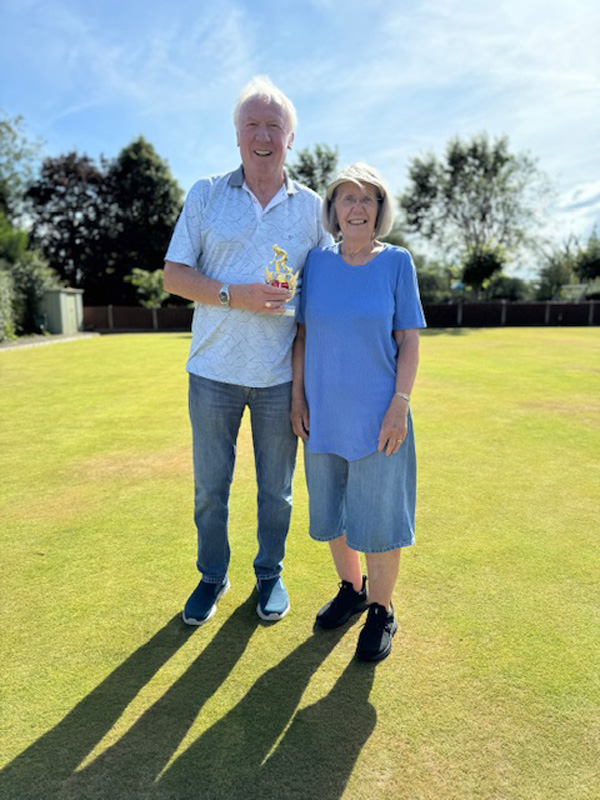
x=282, y=276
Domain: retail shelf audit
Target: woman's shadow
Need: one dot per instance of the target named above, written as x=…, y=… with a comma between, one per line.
x=254, y=751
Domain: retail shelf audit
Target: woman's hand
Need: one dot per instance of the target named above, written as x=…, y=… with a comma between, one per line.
x=394, y=427
x=299, y=418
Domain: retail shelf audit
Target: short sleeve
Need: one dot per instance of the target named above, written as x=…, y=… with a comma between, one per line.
x=185, y=246
x=300, y=312
x=409, y=311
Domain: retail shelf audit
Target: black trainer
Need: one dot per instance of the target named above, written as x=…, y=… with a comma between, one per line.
x=346, y=602
x=375, y=640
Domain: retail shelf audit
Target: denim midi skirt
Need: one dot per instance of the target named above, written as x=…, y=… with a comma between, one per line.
x=372, y=499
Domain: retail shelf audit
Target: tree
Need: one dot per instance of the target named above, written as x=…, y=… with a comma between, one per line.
x=95, y=223
x=587, y=258
x=145, y=203
x=570, y=263
x=505, y=287
x=24, y=277
x=315, y=170
x=433, y=284
x=31, y=278
x=149, y=286
x=558, y=269
x=480, y=264
x=17, y=158
x=7, y=323
x=71, y=219
x=13, y=241
x=396, y=237
x=477, y=198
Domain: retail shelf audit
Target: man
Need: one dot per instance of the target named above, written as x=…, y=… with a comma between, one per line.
x=241, y=345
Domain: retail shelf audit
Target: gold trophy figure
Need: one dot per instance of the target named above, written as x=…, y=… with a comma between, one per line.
x=282, y=275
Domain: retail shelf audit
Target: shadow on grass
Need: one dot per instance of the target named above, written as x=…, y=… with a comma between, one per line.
x=253, y=751
x=46, y=769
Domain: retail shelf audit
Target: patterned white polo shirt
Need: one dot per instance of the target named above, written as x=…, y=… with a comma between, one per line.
x=223, y=232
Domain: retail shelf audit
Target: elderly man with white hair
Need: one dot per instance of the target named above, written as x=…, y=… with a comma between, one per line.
x=241, y=344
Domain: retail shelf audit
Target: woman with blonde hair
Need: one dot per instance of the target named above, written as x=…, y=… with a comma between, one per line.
x=355, y=360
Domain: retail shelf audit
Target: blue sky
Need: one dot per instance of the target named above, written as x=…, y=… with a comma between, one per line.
x=384, y=81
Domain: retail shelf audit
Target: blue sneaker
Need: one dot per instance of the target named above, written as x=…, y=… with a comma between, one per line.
x=202, y=603
x=273, y=600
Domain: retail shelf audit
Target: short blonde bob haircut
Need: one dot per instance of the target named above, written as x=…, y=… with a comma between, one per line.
x=359, y=173
x=263, y=88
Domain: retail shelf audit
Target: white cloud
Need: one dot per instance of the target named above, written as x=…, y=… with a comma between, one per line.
x=383, y=80
x=583, y=196
x=165, y=70
x=577, y=211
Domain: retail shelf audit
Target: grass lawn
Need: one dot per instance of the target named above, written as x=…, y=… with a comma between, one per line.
x=492, y=687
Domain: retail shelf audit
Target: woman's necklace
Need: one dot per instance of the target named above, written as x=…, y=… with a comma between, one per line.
x=346, y=254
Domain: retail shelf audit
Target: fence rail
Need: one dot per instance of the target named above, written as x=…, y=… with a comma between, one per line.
x=120, y=319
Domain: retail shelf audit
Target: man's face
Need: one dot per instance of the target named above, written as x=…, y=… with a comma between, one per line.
x=263, y=137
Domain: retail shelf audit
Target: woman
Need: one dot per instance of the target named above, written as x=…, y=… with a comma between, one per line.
x=355, y=360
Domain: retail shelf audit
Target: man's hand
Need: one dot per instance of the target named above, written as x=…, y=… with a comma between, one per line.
x=261, y=297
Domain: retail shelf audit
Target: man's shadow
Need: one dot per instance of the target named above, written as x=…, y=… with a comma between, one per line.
x=244, y=754
x=47, y=768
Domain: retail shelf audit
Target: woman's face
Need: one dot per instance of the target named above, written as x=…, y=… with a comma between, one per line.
x=356, y=208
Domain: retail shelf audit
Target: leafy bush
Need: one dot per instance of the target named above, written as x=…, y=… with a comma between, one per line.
x=505, y=287
x=587, y=259
x=30, y=277
x=7, y=326
x=13, y=241
x=481, y=263
x=149, y=286
x=433, y=285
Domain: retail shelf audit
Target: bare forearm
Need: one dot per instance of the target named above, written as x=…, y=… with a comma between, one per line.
x=395, y=422
x=298, y=364
x=299, y=415
x=186, y=282
x=407, y=361
x=191, y=284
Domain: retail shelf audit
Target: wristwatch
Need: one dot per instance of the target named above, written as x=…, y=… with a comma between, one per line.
x=224, y=298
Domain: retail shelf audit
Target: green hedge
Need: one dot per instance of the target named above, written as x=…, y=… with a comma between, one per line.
x=7, y=322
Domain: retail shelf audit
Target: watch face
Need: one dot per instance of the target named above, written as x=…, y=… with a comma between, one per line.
x=224, y=295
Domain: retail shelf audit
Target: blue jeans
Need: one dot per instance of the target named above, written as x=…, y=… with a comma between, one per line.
x=216, y=411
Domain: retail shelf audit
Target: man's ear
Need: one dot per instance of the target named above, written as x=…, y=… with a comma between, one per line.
x=290, y=141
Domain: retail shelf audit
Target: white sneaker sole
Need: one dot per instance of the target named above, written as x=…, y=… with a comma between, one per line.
x=270, y=617
x=197, y=622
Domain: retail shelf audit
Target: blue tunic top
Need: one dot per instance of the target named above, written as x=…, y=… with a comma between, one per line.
x=350, y=313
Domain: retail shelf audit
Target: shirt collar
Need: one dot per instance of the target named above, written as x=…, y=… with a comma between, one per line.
x=236, y=179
